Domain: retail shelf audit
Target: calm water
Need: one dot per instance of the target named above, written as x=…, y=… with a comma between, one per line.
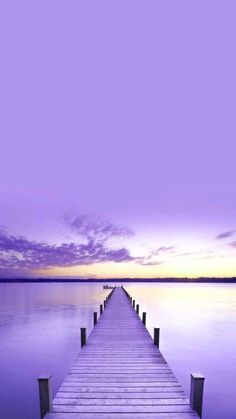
x=39, y=332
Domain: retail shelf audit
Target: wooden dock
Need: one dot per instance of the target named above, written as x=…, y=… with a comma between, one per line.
x=119, y=373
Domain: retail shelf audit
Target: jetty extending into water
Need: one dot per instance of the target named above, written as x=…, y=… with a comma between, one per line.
x=120, y=372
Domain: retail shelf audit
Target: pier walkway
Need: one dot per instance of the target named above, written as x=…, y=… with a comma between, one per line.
x=120, y=373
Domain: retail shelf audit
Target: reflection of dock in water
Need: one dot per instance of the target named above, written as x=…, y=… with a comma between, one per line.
x=120, y=373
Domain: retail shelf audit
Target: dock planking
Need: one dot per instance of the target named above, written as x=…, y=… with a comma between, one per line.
x=120, y=373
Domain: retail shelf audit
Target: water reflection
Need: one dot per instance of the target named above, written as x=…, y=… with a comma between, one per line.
x=197, y=324
x=39, y=332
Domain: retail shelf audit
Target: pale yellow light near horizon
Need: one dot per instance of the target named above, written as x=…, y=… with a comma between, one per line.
x=215, y=267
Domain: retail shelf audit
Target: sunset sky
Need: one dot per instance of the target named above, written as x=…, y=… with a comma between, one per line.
x=118, y=138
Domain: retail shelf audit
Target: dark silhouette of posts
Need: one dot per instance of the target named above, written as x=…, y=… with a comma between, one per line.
x=144, y=318
x=101, y=308
x=196, y=392
x=137, y=308
x=45, y=394
x=134, y=303
x=83, y=336
x=156, y=336
x=95, y=318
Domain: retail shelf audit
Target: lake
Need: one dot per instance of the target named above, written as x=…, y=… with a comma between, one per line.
x=40, y=333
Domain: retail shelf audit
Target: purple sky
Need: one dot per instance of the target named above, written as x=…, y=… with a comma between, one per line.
x=118, y=138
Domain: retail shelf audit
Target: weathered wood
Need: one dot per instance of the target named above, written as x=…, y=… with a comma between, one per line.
x=45, y=394
x=82, y=336
x=95, y=318
x=157, y=336
x=121, y=409
x=122, y=388
x=146, y=415
x=119, y=395
x=196, y=392
x=104, y=401
x=119, y=373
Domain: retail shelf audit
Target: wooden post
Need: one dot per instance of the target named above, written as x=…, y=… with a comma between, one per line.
x=83, y=336
x=144, y=318
x=137, y=308
x=101, y=308
x=45, y=394
x=95, y=318
x=196, y=393
x=134, y=303
x=104, y=303
x=156, y=336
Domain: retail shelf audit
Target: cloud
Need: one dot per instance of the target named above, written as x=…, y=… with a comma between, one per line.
x=23, y=255
x=199, y=254
x=164, y=249
x=225, y=235
x=146, y=262
x=233, y=244
x=94, y=228
x=151, y=259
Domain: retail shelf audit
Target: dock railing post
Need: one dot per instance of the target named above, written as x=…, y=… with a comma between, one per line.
x=196, y=392
x=83, y=336
x=45, y=394
x=144, y=318
x=157, y=336
x=95, y=318
x=101, y=308
x=137, y=308
x=134, y=303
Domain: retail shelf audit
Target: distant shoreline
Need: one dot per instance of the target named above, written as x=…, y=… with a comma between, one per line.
x=123, y=280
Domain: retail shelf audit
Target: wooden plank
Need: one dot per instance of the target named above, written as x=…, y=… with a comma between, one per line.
x=168, y=415
x=119, y=395
x=119, y=402
x=129, y=388
x=121, y=409
x=163, y=376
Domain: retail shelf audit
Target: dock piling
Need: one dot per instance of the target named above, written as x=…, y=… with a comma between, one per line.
x=134, y=303
x=45, y=394
x=144, y=318
x=196, y=393
x=137, y=308
x=95, y=318
x=157, y=336
x=101, y=308
x=83, y=336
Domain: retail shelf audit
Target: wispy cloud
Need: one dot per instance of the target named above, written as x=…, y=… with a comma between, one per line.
x=199, y=254
x=148, y=262
x=164, y=250
x=95, y=228
x=225, y=235
x=154, y=257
